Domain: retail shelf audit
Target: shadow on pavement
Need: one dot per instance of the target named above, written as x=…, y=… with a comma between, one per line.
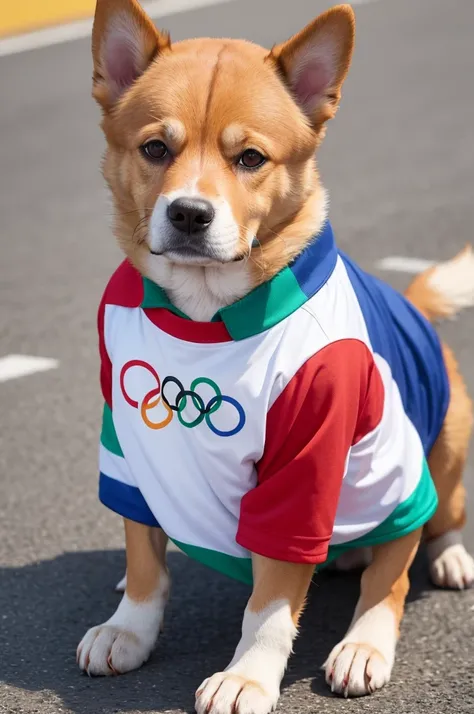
x=46, y=607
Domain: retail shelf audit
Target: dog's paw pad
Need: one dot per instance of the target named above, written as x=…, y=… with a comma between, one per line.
x=227, y=693
x=107, y=650
x=354, y=670
x=453, y=568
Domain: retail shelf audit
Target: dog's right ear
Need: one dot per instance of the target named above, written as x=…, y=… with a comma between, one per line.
x=124, y=42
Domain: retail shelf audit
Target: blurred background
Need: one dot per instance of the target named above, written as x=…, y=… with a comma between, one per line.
x=399, y=164
x=30, y=14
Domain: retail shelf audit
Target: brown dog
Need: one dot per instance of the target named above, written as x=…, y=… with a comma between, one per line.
x=267, y=403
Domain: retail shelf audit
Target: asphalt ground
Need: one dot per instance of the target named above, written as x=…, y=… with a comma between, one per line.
x=399, y=164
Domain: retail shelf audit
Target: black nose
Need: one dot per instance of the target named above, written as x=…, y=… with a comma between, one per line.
x=190, y=215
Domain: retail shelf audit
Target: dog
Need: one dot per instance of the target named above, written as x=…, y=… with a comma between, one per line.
x=269, y=406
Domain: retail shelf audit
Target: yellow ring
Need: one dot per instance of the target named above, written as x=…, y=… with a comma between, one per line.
x=146, y=406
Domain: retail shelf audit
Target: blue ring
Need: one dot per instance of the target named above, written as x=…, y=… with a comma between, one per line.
x=229, y=400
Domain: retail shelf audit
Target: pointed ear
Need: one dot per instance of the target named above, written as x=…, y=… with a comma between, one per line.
x=314, y=63
x=124, y=42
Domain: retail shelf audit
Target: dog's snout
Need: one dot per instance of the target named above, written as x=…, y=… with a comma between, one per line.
x=190, y=215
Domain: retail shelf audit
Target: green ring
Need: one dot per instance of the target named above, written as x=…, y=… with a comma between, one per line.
x=213, y=385
x=195, y=422
x=190, y=424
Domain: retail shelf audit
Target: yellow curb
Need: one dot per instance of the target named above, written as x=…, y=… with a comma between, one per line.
x=17, y=16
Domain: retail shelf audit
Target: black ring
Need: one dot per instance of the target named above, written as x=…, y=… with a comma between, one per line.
x=188, y=393
x=181, y=390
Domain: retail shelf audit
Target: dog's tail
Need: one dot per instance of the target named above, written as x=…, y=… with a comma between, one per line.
x=446, y=288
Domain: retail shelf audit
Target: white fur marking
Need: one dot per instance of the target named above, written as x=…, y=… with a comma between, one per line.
x=451, y=566
x=198, y=290
x=125, y=641
x=255, y=673
x=222, y=236
x=454, y=280
x=363, y=661
x=122, y=584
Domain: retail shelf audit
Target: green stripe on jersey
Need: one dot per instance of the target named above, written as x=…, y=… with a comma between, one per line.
x=262, y=308
x=237, y=568
x=108, y=436
x=407, y=517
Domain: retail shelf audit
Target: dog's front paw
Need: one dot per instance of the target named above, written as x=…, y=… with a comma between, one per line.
x=227, y=693
x=354, y=670
x=125, y=641
x=108, y=649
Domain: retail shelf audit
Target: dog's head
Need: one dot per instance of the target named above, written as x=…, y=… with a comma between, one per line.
x=210, y=142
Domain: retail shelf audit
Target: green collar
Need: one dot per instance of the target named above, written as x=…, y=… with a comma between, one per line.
x=273, y=301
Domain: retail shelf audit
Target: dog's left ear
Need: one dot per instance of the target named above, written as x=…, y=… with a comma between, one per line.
x=314, y=63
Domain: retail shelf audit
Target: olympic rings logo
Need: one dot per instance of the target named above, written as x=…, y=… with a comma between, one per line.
x=177, y=405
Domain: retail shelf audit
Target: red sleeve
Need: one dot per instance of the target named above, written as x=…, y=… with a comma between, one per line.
x=105, y=363
x=125, y=288
x=332, y=402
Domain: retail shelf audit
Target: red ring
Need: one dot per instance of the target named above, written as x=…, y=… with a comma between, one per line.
x=124, y=370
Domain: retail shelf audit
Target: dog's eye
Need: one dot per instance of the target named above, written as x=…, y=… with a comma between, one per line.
x=251, y=159
x=155, y=150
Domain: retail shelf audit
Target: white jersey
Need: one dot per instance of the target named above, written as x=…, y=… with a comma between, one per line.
x=280, y=428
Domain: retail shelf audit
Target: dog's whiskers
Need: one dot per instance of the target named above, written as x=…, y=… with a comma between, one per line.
x=133, y=210
x=141, y=225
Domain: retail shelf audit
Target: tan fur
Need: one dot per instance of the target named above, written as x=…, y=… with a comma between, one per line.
x=146, y=559
x=278, y=580
x=385, y=580
x=448, y=457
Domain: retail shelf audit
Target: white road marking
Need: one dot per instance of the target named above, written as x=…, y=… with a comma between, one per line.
x=83, y=28
x=13, y=366
x=401, y=264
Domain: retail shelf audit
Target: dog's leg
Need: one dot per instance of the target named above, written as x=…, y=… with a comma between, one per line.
x=363, y=661
x=126, y=640
x=251, y=682
x=450, y=564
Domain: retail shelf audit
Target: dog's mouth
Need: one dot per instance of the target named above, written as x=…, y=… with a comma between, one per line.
x=191, y=255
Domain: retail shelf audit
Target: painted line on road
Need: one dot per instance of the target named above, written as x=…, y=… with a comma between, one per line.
x=401, y=264
x=13, y=366
x=83, y=28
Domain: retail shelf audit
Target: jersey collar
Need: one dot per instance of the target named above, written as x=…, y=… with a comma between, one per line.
x=269, y=303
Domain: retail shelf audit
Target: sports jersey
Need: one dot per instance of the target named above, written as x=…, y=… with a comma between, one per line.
x=295, y=424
